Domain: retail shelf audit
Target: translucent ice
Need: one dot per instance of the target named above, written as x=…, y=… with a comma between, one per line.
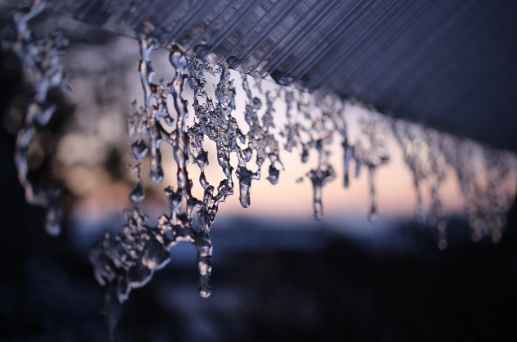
x=42, y=64
x=129, y=260
x=319, y=178
x=430, y=154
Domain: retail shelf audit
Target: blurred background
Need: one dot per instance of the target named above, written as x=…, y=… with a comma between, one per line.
x=279, y=275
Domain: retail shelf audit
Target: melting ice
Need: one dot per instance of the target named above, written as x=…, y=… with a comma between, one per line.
x=129, y=259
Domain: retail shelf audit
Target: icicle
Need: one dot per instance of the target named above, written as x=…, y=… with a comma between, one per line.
x=414, y=161
x=349, y=155
x=129, y=260
x=496, y=199
x=373, y=157
x=324, y=173
x=430, y=153
x=338, y=119
x=326, y=115
x=372, y=216
x=438, y=176
x=44, y=70
x=259, y=139
x=319, y=178
x=245, y=176
x=110, y=257
x=459, y=154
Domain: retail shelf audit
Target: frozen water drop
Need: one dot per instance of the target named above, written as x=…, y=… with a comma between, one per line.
x=156, y=175
x=257, y=104
x=139, y=150
x=247, y=153
x=177, y=58
x=233, y=62
x=283, y=78
x=305, y=154
x=372, y=216
x=319, y=178
x=204, y=293
x=245, y=176
x=156, y=171
x=137, y=194
x=273, y=175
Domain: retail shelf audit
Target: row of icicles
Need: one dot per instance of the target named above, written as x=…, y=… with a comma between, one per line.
x=129, y=259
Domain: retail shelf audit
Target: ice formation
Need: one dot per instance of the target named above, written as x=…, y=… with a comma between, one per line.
x=144, y=249
x=423, y=157
x=320, y=135
x=373, y=156
x=430, y=155
x=129, y=259
x=44, y=70
x=485, y=204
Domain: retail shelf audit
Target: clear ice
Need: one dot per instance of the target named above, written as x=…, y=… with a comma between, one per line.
x=373, y=156
x=129, y=259
x=416, y=162
x=430, y=155
x=43, y=69
x=485, y=205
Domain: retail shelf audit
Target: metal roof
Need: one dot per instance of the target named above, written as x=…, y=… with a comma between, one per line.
x=448, y=64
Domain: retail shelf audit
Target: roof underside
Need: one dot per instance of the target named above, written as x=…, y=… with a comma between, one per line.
x=451, y=64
